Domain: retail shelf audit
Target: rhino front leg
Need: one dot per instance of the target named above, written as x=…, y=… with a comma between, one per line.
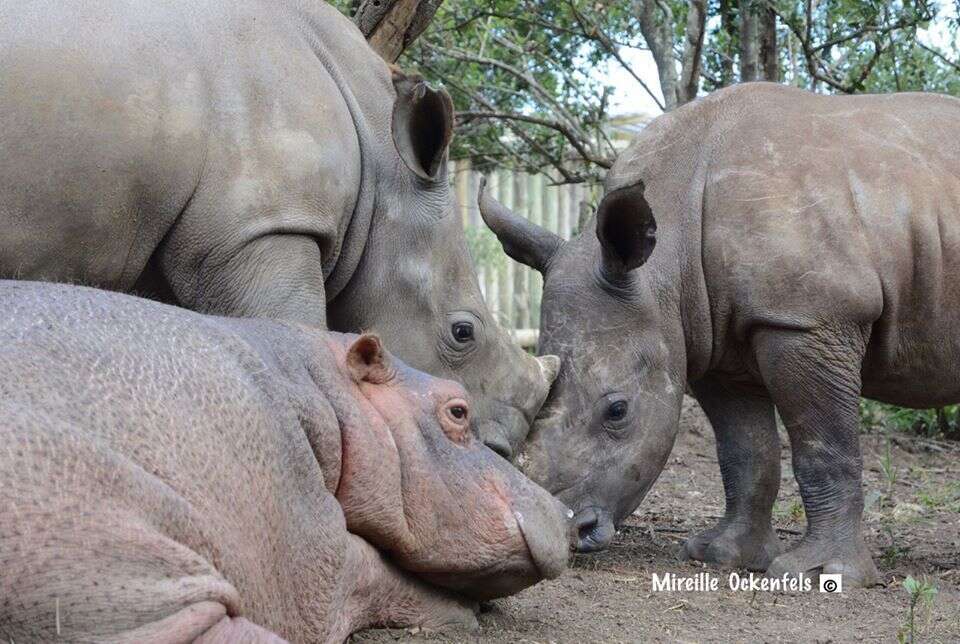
x=277, y=276
x=814, y=379
x=748, y=450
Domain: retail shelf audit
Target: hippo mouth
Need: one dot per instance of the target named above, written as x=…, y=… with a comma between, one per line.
x=543, y=529
x=595, y=529
x=549, y=560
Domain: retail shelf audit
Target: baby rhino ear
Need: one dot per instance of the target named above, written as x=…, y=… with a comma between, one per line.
x=367, y=361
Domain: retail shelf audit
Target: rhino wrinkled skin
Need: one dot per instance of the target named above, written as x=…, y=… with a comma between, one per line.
x=251, y=159
x=167, y=476
x=770, y=248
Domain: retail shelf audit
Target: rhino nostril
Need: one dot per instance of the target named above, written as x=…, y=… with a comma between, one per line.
x=594, y=530
x=500, y=446
x=586, y=521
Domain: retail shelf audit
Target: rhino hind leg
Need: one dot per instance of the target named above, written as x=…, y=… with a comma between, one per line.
x=748, y=450
x=814, y=379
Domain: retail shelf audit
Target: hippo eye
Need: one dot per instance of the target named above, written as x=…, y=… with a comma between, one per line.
x=455, y=421
x=462, y=332
x=617, y=411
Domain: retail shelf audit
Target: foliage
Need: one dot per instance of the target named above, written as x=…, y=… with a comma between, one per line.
x=484, y=247
x=921, y=595
x=529, y=82
x=943, y=422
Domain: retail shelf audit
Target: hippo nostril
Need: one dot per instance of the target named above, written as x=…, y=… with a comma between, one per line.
x=500, y=446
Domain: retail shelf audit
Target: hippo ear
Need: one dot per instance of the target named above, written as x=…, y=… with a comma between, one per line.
x=422, y=125
x=522, y=240
x=367, y=361
x=626, y=229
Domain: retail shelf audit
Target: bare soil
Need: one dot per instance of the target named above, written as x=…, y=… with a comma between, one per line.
x=912, y=525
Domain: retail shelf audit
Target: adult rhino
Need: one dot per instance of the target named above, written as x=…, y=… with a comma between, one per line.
x=770, y=248
x=252, y=159
x=331, y=487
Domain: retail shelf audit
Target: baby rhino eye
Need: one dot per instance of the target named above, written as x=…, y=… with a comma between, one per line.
x=617, y=410
x=459, y=412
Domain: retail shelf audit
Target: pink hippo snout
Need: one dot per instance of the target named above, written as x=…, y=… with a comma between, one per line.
x=418, y=485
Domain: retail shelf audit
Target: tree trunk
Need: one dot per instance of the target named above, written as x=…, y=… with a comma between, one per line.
x=749, y=43
x=728, y=23
x=769, y=55
x=390, y=26
x=658, y=33
x=692, y=52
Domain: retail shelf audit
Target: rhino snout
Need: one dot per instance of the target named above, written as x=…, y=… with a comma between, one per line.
x=594, y=529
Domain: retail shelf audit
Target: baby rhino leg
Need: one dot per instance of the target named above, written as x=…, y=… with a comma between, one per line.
x=748, y=449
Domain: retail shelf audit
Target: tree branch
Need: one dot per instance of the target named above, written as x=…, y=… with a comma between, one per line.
x=939, y=55
x=612, y=48
x=547, y=123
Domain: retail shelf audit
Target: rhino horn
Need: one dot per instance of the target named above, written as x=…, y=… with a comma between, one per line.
x=522, y=240
x=550, y=367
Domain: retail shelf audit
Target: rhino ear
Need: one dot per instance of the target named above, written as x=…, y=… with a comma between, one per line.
x=422, y=124
x=367, y=361
x=522, y=240
x=626, y=229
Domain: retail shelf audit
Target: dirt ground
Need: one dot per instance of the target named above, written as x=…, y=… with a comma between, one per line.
x=912, y=525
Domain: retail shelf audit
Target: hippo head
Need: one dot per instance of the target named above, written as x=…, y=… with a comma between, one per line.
x=607, y=428
x=419, y=486
x=416, y=285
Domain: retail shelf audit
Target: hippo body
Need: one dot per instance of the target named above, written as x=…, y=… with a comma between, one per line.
x=250, y=159
x=167, y=476
x=770, y=248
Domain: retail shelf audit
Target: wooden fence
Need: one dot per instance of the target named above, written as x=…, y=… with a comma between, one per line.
x=513, y=291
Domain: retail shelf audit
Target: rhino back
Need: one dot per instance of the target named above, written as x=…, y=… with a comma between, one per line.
x=117, y=117
x=160, y=442
x=824, y=209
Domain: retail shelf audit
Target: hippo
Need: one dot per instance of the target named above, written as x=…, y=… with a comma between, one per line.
x=167, y=476
x=769, y=249
x=249, y=159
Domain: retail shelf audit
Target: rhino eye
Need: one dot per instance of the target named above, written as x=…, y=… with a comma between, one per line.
x=462, y=332
x=459, y=412
x=617, y=410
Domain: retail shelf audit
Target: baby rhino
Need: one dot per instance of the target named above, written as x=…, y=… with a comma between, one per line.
x=172, y=477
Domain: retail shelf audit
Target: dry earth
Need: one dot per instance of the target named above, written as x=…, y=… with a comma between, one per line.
x=912, y=525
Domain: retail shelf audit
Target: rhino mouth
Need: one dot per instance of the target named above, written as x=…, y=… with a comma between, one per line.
x=503, y=429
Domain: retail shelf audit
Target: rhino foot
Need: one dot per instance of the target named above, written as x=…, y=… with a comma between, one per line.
x=823, y=556
x=734, y=545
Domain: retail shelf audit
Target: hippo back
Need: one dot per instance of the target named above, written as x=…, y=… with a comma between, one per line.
x=129, y=429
